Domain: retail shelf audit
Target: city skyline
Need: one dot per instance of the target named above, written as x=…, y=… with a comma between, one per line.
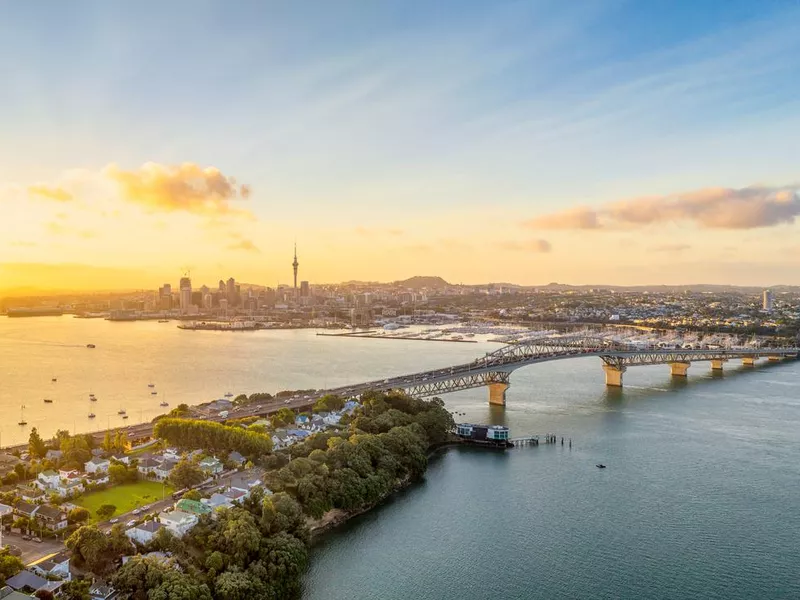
x=523, y=142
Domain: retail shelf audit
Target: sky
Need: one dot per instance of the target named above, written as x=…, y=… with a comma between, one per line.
x=585, y=142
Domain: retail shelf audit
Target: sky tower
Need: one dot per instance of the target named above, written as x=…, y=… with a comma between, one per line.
x=295, y=264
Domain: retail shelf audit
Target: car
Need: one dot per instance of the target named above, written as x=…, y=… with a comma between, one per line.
x=38, y=540
x=14, y=550
x=27, y=538
x=131, y=523
x=137, y=511
x=287, y=401
x=112, y=521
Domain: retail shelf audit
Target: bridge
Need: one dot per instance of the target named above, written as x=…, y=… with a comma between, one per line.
x=494, y=369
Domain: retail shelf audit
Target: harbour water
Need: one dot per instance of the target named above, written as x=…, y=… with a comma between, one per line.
x=699, y=500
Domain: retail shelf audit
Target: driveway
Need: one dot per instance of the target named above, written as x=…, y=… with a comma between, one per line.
x=32, y=551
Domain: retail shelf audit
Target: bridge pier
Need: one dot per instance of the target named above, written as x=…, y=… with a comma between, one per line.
x=678, y=369
x=749, y=361
x=614, y=375
x=497, y=393
x=716, y=365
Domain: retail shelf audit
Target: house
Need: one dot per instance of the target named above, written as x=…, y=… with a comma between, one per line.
x=48, y=480
x=217, y=501
x=192, y=506
x=120, y=457
x=301, y=420
x=5, y=510
x=53, y=518
x=6, y=593
x=97, y=465
x=299, y=433
x=237, y=458
x=317, y=422
x=25, y=509
x=98, y=478
x=171, y=454
x=332, y=419
x=244, y=484
x=30, y=494
x=70, y=486
x=102, y=591
x=159, y=557
x=147, y=466
x=178, y=522
x=350, y=406
x=26, y=582
x=144, y=532
x=54, y=566
x=235, y=495
x=54, y=455
x=163, y=470
x=68, y=473
x=211, y=465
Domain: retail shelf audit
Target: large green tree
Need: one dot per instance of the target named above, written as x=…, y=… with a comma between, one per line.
x=10, y=565
x=36, y=445
x=186, y=474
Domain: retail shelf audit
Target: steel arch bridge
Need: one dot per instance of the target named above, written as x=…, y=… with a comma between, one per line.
x=494, y=369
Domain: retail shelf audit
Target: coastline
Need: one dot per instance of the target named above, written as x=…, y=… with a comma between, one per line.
x=337, y=516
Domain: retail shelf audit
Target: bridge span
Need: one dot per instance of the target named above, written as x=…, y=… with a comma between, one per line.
x=494, y=369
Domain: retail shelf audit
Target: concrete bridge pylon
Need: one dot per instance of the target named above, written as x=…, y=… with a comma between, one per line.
x=497, y=393
x=716, y=365
x=679, y=369
x=614, y=374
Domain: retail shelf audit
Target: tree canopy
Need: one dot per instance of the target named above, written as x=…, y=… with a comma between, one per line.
x=186, y=474
x=214, y=437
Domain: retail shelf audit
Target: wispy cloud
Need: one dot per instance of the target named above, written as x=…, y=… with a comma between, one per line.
x=187, y=187
x=671, y=248
x=50, y=192
x=535, y=246
x=242, y=243
x=709, y=208
x=56, y=228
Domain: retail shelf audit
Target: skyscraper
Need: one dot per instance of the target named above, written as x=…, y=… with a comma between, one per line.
x=186, y=294
x=304, y=289
x=295, y=264
x=231, y=292
x=768, y=300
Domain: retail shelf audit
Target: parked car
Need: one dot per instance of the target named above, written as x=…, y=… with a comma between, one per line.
x=38, y=540
x=131, y=523
x=27, y=538
x=112, y=521
x=137, y=511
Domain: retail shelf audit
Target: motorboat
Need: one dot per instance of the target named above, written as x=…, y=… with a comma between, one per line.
x=151, y=385
x=164, y=403
x=54, y=379
x=92, y=415
x=229, y=395
x=600, y=466
x=91, y=346
x=121, y=411
x=124, y=416
x=48, y=401
x=154, y=393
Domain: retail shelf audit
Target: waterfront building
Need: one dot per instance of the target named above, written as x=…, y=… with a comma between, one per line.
x=482, y=433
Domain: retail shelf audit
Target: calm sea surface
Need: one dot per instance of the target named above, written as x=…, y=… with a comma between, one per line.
x=701, y=497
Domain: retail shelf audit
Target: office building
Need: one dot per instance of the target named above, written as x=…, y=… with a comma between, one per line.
x=768, y=300
x=185, y=294
x=231, y=292
x=305, y=292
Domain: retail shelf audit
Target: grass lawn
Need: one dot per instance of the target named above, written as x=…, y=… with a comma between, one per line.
x=125, y=497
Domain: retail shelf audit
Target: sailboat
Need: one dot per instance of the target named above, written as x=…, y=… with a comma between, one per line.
x=121, y=411
x=22, y=421
x=164, y=402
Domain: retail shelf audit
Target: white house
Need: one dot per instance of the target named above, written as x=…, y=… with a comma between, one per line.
x=70, y=486
x=147, y=466
x=163, y=470
x=68, y=473
x=332, y=418
x=97, y=465
x=211, y=465
x=48, y=480
x=217, y=501
x=52, y=517
x=177, y=521
x=57, y=565
x=144, y=532
x=5, y=510
x=171, y=454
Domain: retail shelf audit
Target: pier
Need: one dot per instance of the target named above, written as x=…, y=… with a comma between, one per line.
x=397, y=337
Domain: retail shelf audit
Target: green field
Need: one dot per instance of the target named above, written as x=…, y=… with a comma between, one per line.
x=125, y=497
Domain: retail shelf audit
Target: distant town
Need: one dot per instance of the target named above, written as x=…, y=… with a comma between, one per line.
x=231, y=305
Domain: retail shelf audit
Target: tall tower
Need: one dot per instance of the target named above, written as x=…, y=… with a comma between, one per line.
x=295, y=264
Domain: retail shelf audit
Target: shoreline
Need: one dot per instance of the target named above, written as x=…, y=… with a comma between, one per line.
x=337, y=517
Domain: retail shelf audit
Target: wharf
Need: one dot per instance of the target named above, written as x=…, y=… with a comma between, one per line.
x=391, y=337
x=535, y=440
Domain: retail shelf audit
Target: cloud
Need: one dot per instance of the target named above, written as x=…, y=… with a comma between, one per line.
x=183, y=188
x=22, y=244
x=56, y=228
x=540, y=246
x=671, y=248
x=368, y=232
x=710, y=208
x=51, y=193
x=245, y=245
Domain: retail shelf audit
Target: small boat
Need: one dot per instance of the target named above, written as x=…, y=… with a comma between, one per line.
x=229, y=395
x=22, y=421
x=153, y=393
x=54, y=379
x=151, y=385
x=163, y=320
x=91, y=346
x=48, y=401
x=124, y=416
x=93, y=399
x=600, y=466
x=121, y=411
x=164, y=403
x=92, y=415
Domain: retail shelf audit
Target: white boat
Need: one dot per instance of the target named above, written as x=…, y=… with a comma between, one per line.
x=229, y=395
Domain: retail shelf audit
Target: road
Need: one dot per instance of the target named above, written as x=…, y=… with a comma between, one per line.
x=32, y=551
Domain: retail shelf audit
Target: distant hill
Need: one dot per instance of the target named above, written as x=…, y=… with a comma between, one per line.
x=418, y=282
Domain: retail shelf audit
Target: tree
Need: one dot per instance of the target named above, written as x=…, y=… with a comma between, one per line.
x=108, y=442
x=77, y=589
x=44, y=595
x=91, y=549
x=234, y=586
x=21, y=470
x=282, y=418
x=186, y=474
x=11, y=478
x=118, y=473
x=193, y=495
x=78, y=515
x=36, y=445
x=106, y=510
x=10, y=565
x=23, y=524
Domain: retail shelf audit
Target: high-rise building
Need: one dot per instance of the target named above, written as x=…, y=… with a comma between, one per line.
x=295, y=264
x=304, y=289
x=208, y=301
x=768, y=300
x=231, y=292
x=221, y=287
x=186, y=294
